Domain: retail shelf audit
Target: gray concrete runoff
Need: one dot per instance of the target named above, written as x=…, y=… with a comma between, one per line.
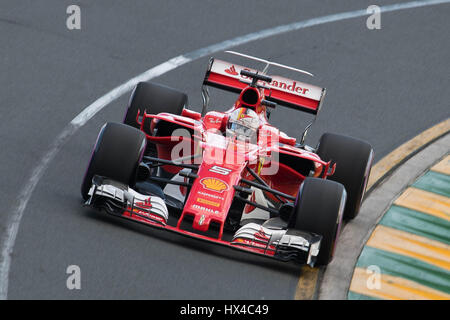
x=338, y=274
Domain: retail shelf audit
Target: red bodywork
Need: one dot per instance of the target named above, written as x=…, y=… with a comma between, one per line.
x=212, y=193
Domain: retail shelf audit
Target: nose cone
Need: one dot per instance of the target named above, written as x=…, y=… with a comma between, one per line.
x=212, y=194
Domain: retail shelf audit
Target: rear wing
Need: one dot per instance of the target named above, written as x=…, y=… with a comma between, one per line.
x=286, y=92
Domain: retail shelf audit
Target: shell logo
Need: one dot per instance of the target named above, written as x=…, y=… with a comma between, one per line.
x=214, y=184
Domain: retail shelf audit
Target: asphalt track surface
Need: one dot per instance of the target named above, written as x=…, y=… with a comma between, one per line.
x=384, y=86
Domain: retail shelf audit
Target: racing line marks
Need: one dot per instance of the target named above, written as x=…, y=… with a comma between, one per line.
x=90, y=111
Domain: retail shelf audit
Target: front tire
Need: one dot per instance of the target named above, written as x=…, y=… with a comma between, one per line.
x=319, y=209
x=353, y=158
x=116, y=155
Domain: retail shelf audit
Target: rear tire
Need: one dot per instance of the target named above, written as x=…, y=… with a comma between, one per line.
x=353, y=158
x=153, y=98
x=319, y=209
x=116, y=155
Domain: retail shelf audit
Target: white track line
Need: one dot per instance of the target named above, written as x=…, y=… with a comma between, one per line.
x=90, y=111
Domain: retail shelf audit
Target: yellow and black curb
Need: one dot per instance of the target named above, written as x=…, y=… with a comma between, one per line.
x=401, y=166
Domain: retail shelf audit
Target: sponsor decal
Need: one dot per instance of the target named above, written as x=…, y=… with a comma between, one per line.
x=220, y=170
x=214, y=120
x=210, y=195
x=261, y=235
x=147, y=204
x=142, y=210
x=208, y=202
x=278, y=83
x=196, y=206
x=143, y=207
x=232, y=70
x=250, y=243
x=288, y=87
x=285, y=85
x=214, y=184
x=140, y=215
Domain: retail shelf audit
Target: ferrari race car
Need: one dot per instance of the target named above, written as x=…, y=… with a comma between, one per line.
x=230, y=178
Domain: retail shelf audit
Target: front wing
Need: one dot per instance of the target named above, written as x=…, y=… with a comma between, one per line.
x=282, y=244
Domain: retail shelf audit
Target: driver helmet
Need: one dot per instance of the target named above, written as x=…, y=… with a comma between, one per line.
x=243, y=123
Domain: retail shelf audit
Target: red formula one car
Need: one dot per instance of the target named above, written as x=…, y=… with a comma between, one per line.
x=230, y=177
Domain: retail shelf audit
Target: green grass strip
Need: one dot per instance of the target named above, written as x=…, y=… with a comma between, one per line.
x=434, y=182
x=356, y=296
x=418, y=223
x=405, y=267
